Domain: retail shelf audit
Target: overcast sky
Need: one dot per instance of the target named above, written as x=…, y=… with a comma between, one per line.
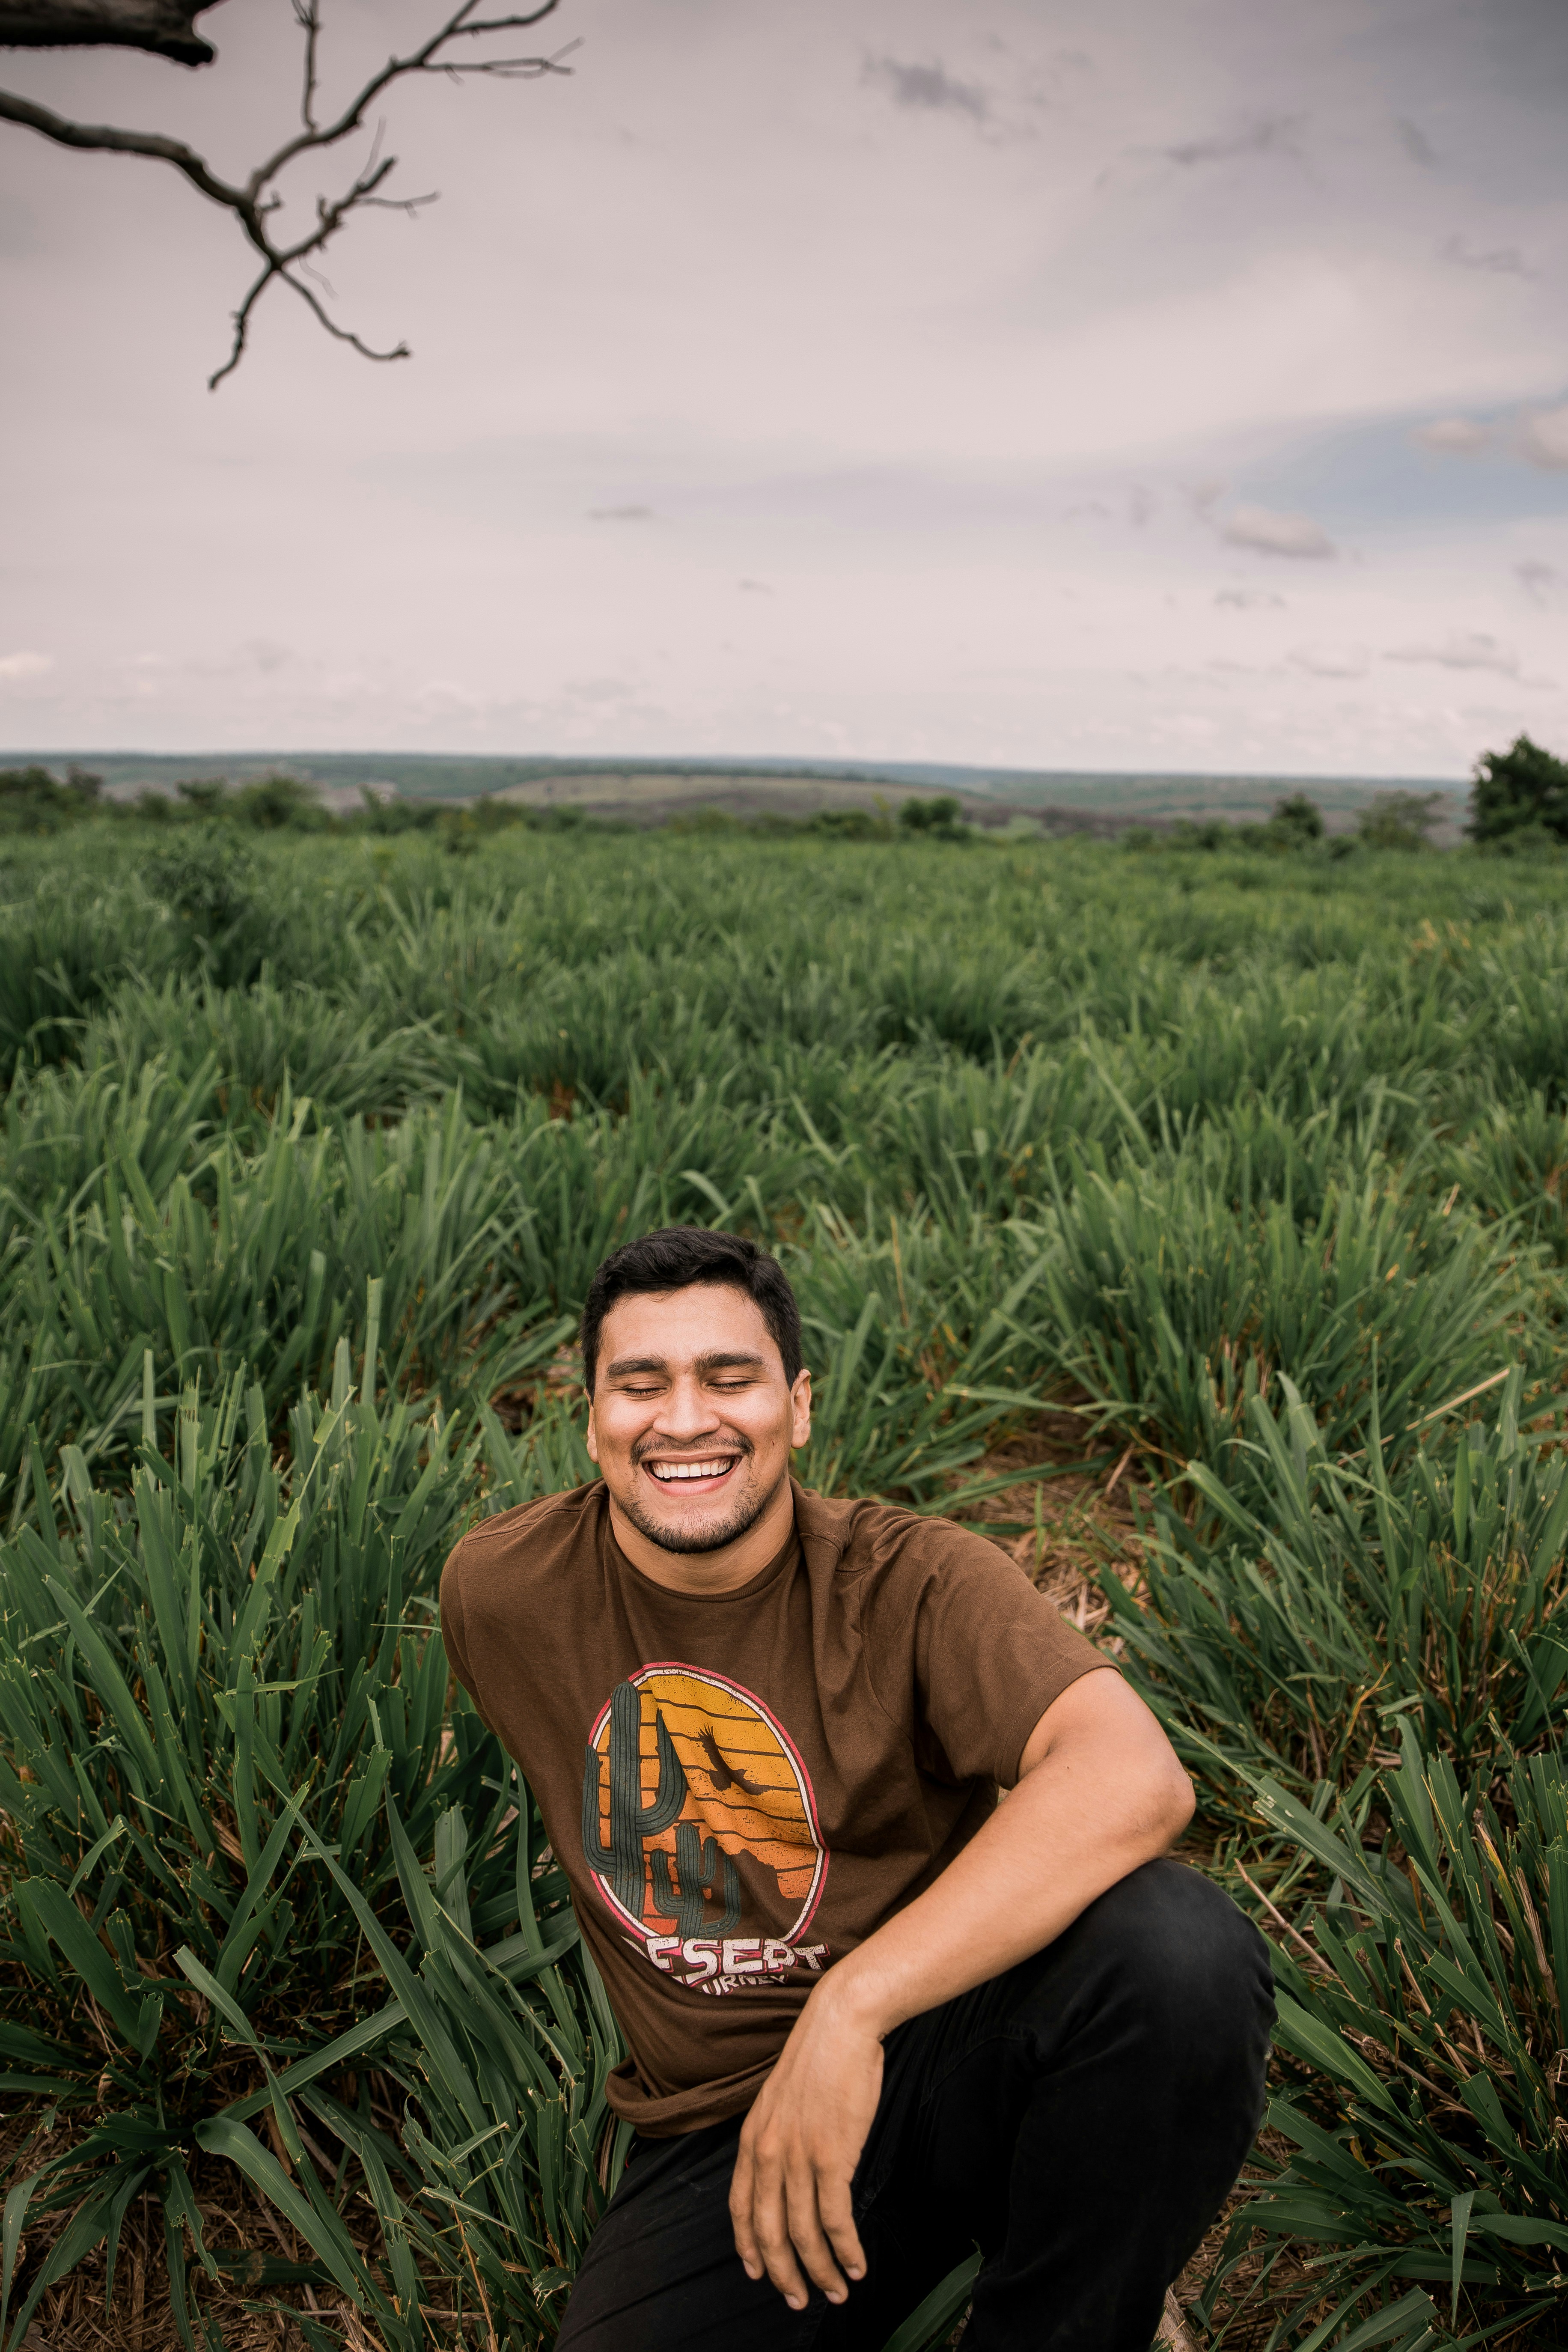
x=1176, y=384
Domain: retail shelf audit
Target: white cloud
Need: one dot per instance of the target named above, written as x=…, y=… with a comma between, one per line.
x=1271, y=136
x=1274, y=533
x=267, y=652
x=1476, y=650
x=1248, y=600
x=1537, y=578
x=25, y=664
x=1544, y=437
x=1502, y=260
x=927, y=89
x=1454, y=436
x=1331, y=660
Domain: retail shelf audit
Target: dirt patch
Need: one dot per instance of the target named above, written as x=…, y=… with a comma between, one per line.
x=1063, y=1529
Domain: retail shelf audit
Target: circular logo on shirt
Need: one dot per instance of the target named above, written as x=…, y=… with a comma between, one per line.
x=700, y=1819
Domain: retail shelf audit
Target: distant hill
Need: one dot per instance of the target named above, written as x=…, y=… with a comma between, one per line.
x=649, y=790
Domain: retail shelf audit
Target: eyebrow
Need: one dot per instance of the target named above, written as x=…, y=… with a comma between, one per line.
x=716, y=1362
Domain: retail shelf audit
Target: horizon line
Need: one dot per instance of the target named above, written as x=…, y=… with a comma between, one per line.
x=762, y=764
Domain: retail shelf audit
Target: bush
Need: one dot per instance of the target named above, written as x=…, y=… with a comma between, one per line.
x=276, y=803
x=207, y=879
x=245, y=1660
x=850, y=825
x=1399, y=820
x=1521, y=791
x=1423, y=2042
x=1280, y=1636
x=938, y=819
x=32, y=800
x=1296, y=822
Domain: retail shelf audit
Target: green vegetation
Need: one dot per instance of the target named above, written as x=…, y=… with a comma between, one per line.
x=1520, y=799
x=34, y=800
x=1256, y=1160
x=1399, y=820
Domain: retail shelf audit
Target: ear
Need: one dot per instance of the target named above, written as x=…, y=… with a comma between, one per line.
x=591, y=1440
x=800, y=1405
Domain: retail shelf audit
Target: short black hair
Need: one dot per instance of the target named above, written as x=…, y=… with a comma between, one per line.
x=675, y=1258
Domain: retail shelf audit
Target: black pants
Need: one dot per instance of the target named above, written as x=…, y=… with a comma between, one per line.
x=1081, y=2119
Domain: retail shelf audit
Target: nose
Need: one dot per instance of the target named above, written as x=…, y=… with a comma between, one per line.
x=688, y=1415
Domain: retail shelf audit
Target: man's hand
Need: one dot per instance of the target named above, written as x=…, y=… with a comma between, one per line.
x=789, y=2197
x=1098, y=1792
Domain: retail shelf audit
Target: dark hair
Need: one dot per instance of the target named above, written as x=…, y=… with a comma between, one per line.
x=676, y=1257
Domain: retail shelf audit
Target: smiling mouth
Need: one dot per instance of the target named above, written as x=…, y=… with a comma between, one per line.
x=706, y=1471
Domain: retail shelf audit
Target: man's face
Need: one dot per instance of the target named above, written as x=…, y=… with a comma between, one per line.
x=692, y=1419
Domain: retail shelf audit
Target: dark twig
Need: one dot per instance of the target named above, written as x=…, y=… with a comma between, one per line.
x=256, y=200
x=308, y=16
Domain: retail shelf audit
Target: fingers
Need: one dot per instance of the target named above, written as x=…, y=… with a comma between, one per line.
x=806, y=2235
x=759, y=2216
x=836, y=2208
x=787, y=2218
x=743, y=2185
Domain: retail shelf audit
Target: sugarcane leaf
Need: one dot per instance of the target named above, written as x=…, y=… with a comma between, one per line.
x=932, y=2321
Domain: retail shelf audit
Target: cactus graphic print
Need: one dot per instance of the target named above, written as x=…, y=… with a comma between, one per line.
x=700, y=1830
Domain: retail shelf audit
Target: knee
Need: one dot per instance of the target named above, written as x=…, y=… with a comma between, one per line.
x=1181, y=1959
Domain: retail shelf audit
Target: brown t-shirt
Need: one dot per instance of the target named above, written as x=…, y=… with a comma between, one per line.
x=741, y=1789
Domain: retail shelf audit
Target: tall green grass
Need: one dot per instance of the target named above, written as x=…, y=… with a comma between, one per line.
x=306, y=1159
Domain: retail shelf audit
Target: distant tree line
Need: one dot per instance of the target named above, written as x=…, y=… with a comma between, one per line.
x=1519, y=807
x=1392, y=819
x=34, y=800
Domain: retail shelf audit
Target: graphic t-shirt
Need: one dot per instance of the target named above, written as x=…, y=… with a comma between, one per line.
x=741, y=1789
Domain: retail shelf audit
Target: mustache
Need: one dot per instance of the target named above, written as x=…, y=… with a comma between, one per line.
x=647, y=1447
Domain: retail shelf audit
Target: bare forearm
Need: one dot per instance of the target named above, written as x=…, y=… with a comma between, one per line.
x=1079, y=1821
x=1098, y=1792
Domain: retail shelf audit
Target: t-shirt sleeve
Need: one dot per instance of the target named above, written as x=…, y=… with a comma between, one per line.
x=453, y=1632
x=990, y=1654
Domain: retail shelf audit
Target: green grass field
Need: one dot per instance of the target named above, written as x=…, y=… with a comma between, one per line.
x=1197, y=1220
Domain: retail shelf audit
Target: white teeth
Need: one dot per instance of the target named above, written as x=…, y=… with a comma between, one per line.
x=669, y=1470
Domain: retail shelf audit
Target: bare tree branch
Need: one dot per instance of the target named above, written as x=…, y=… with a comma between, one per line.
x=121, y=143
x=308, y=15
x=167, y=27
x=257, y=199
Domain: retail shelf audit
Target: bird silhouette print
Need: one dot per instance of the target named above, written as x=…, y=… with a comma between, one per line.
x=723, y=1776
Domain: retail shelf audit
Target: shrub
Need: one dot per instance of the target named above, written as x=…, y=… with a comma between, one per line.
x=1399, y=820
x=1297, y=822
x=207, y=879
x=852, y=824
x=939, y=818
x=33, y=800
x=1421, y=2017
x=276, y=803
x=246, y=1658
x=1426, y=1589
x=1521, y=791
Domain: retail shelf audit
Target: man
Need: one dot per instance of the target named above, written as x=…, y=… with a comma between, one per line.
x=874, y=2016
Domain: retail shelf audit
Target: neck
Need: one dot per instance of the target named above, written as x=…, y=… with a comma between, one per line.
x=702, y=1574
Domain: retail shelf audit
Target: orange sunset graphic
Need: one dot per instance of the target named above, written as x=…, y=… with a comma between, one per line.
x=694, y=1796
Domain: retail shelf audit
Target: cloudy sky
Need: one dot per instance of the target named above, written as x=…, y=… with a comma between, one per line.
x=1175, y=383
